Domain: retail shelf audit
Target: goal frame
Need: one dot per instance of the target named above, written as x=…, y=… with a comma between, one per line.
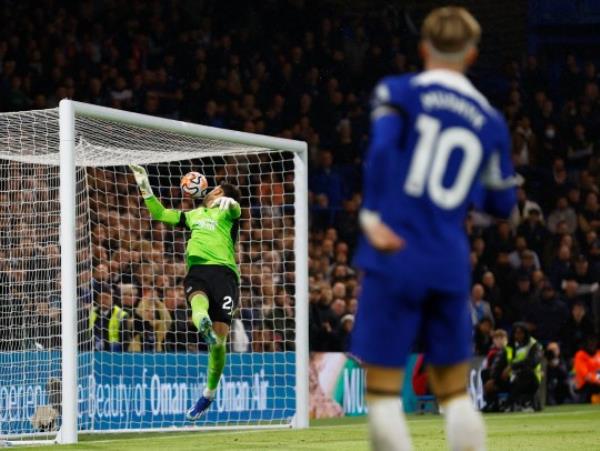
x=68, y=110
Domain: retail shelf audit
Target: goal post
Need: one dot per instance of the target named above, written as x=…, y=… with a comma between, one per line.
x=301, y=248
x=68, y=271
x=81, y=152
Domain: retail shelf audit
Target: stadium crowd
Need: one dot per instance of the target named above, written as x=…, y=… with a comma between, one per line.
x=278, y=76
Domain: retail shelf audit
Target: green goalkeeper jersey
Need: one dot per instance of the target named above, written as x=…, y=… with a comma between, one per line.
x=214, y=232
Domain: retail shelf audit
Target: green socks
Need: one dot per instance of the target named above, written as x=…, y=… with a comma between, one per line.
x=217, y=352
x=216, y=363
x=199, y=305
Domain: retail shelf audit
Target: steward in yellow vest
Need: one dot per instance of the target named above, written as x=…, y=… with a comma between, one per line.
x=525, y=369
x=106, y=321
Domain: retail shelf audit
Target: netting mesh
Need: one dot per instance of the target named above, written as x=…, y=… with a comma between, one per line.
x=141, y=361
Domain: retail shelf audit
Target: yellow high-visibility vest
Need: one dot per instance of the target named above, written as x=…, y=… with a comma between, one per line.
x=521, y=354
x=114, y=323
x=509, y=354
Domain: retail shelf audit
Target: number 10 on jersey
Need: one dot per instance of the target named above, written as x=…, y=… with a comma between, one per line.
x=430, y=162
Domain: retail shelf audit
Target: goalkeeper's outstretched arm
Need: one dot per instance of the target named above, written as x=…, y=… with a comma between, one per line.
x=156, y=209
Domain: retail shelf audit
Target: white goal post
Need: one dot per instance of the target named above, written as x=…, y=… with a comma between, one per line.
x=99, y=140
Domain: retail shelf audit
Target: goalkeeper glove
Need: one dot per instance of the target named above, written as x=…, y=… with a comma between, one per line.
x=141, y=178
x=224, y=203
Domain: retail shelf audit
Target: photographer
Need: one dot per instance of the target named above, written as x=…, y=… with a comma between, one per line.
x=557, y=375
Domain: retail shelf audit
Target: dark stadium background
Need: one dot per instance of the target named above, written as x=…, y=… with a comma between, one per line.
x=250, y=66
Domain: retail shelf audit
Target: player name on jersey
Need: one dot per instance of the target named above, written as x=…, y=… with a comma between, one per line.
x=435, y=100
x=207, y=224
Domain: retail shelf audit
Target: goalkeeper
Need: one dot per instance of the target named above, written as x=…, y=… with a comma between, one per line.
x=212, y=282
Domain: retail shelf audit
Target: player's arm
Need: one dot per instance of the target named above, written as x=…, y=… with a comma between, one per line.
x=499, y=179
x=156, y=209
x=386, y=130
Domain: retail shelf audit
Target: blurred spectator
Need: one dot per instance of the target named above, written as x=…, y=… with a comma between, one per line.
x=561, y=267
x=137, y=333
x=523, y=208
x=534, y=231
x=491, y=290
x=327, y=323
x=338, y=307
x=100, y=275
x=156, y=317
x=181, y=336
x=579, y=148
x=589, y=216
x=480, y=308
x=498, y=239
x=562, y=213
x=314, y=318
x=578, y=327
x=339, y=291
x=327, y=180
x=524, y=144
x=557, y=375
x=263, y=340
x=522, y=301
x=587, y=279
x=352, y=303
x=347, y=324
x=280, y=319
x=347, y=221
x=548, y=315
x=558, y=184
x=106, y=321
x=483, y=336
x=592, y=250
x=516, y=257
x=496, y=371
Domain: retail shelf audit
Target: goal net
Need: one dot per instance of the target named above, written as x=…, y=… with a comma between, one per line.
x=112, y=277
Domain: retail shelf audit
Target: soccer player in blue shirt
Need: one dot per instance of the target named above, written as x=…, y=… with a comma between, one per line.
x=437, y=148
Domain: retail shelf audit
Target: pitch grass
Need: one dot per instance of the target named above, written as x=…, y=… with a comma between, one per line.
x=571, y=428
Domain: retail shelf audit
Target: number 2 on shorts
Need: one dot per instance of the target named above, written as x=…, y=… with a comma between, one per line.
x=228, y=304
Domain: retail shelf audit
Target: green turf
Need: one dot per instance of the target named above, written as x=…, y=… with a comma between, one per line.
x=569, y=428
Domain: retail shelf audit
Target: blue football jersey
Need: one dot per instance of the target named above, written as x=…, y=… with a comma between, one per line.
x=437, y=148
